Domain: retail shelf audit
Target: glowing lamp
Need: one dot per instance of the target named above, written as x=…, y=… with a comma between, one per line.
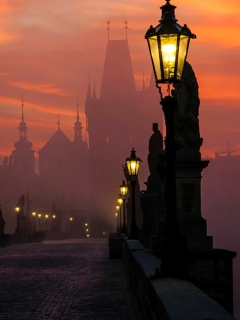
x=71, y=219
x=34, y=214
x=39, y=215
x=46, y=216
x=119, y=201
x=168, y=44
x=123, y=189
x=133, y=164
x=54, y=217
x=17, y=209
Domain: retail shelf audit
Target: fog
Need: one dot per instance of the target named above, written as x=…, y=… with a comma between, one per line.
x=79, y=176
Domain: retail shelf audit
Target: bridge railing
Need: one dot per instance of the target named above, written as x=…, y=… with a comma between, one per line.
x=164, y=298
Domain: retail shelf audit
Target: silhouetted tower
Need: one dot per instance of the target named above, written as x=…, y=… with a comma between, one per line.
x=121, y=118
x=23, y=156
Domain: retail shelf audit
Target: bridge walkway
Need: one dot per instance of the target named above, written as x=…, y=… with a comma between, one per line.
x=70, y=280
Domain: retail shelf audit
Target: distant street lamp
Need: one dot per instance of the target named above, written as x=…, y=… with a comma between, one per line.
x=123, y=192
x=118, y=212
x=34, y=215
x=46, y=217
x=168, y=44
x=71, y=220
x=116, y=215
x=120, y=202
x=17, y=209
x=53, y=222
x=133, y=165
x=39, y=222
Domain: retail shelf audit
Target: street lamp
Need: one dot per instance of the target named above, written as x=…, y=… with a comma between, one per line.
x=123, y=192
x=34, y=215
x=17, y=210
x=133, y=165
x=53, y=222
x=46, y=217
x=39, y=226
x=118, y=211
x=116, y=215
x=168, y=44
x=120, y=202
x=71, y=220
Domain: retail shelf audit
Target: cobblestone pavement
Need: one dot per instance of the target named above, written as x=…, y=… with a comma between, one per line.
x=72, y=279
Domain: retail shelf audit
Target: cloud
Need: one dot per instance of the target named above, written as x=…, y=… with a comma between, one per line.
x=49, y=47
x=38, y=87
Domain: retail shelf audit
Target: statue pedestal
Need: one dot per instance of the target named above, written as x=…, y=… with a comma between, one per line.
x=191, y=223
x=151, y=208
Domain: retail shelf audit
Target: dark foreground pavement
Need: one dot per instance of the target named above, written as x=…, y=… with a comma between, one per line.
x=72, y=279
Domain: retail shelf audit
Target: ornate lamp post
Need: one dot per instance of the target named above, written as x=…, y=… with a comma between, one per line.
x=120, y=202
x=39, y=222
x=133, y=165
x=17, y=209
x=168, y=44
x=123, y=192
x=34, y=215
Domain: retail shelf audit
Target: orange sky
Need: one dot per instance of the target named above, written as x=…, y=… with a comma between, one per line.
x=48, y=47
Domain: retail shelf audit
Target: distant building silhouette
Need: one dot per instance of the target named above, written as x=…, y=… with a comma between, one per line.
x=63, y=173
x=117, y=121
x=73, y=174
x=63, y=169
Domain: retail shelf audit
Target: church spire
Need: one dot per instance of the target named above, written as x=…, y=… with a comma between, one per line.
x=94, y=89
x=58, y=123
x=22, y=125
x=126, y=28
x=89, y=94
x=77, y=111
x=77, y=127
x=108, y=28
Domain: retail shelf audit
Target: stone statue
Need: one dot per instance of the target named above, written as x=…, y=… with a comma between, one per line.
x=155, y=148
x=186, y=123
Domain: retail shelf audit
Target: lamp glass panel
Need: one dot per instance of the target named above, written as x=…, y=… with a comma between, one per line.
x=183, y=47
x=168, y=49
x=133, y=167
x=123, y=190
x=154, y=49
x=120, y=201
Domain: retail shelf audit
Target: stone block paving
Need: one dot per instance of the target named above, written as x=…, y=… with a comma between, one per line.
x=72, y=279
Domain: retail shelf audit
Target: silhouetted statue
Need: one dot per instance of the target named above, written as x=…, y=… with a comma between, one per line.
x=2, y=222
x=187, y=134
x=155, y=148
